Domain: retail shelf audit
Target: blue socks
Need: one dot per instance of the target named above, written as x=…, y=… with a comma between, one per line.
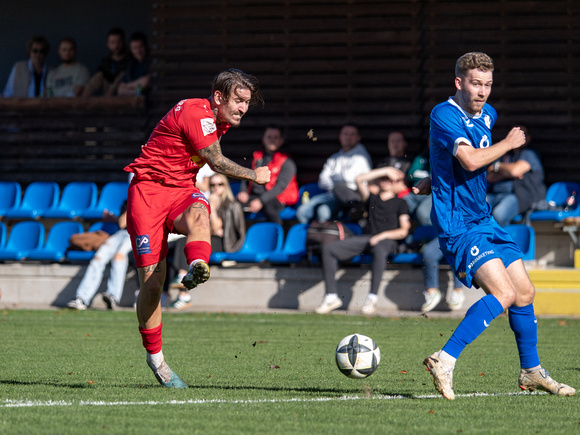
x=476, y=320
x=523, y=323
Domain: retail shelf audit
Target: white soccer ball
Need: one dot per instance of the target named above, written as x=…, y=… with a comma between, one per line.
x=357, y=356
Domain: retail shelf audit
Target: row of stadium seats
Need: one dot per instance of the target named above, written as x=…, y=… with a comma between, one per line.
x=264, y=241
x=557, y=195
x=26, y=241
x=43, y=199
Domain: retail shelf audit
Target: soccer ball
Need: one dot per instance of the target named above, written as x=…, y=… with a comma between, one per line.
x=357, y=356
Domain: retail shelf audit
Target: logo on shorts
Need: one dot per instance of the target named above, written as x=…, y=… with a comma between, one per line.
x=207, y=126
x=474, y=250
x=143, y=245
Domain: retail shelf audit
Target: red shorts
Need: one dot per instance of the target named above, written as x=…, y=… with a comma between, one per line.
x=151, y=211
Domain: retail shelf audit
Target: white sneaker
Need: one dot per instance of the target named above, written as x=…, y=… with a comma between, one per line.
x=77, y=304
x=432, y=299
x=330, y=303
x=442, y=375
x=370, y=306
x=455, y=300
x=181, y=302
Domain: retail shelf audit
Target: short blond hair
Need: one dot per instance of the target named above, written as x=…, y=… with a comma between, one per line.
x=473, y=60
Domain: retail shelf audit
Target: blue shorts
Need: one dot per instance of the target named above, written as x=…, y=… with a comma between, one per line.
x=467, y=252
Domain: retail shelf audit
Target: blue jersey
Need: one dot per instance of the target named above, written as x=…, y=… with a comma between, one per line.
x=458, y=195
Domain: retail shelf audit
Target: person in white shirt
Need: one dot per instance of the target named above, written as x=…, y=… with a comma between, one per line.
x=68, y=79
x=337, y=178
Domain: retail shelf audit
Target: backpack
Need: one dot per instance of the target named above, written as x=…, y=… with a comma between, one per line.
x=321, y=233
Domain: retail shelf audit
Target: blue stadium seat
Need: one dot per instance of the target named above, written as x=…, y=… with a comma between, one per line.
x=24, y=237
x=557, y=194
x=261, y=239
x=10, y=195
x=294, y=249
x=57, y=241
x=3, y=232
x=109, y=227
x=77, y=196
x=112, y=197
x=38, y=197
x=525, y=238
x=218, y=257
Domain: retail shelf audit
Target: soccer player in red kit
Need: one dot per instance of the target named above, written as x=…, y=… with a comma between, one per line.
x=163, y=197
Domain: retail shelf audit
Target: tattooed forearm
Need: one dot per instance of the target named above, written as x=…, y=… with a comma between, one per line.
x=152, y=268
x=201, y=207
x=220, y=163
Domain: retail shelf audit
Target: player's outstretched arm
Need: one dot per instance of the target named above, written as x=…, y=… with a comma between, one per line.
x=220, y=163
x=472, y=159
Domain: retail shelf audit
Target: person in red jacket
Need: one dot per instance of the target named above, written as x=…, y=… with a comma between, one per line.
x=282, y=190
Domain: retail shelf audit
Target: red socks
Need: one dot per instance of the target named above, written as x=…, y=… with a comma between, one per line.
x=152, y=339
x=197, y=250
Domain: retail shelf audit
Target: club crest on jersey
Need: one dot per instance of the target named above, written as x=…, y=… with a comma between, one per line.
x=143, y=245
x=484, y=142
x=207, y=126
x=487, y=121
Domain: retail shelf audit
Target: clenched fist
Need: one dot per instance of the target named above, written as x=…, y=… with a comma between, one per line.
x=262, y=175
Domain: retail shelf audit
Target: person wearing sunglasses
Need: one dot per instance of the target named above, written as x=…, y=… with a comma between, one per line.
x=28, y=77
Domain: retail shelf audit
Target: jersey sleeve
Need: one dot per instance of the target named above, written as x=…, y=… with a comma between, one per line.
x=197, y=125
x=447, y=129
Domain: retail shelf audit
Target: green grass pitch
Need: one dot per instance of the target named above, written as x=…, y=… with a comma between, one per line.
x=69, y=372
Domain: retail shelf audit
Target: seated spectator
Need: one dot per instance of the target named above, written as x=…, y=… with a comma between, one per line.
x=70, y=77
x=419, y=205
x=116, y=250
x=516, y=183
x=432, y=256
x=388, y=225
x=136, y=79
x=282, y=189
x=28, y=77
x=228, y=231
x=111, y=68
x=397, y=145
x=337, y=179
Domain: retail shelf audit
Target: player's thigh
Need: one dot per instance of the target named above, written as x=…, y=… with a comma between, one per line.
x=194, y=218
x=493, y=278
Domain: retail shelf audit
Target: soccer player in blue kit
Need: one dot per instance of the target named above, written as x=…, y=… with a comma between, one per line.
x=477, y=248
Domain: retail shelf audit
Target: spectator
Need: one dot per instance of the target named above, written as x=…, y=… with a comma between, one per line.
x=136, y=79
x=116, y=250
x=337, y=178
x=388, y=224
x=111, y=68
x=432, y=256
x=397, y=145
x=516, y=183
x=419, y=205
x=202, y=179
x=228, y=231
x=68, y=79
x=282, y=190
x=28, y=77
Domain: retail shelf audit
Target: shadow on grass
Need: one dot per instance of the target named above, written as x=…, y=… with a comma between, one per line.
x=336, y=392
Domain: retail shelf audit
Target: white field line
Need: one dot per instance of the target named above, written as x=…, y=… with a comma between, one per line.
x=37, y=404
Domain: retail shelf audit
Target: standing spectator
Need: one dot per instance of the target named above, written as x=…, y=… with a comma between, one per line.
x=282, y=190
x=338, y=178
x=516, y=183
x=28, y=77
x=111, y=68
x=388, y=225
x=115, y=250
x=477, y=248
x=163, y=198
x=70, y=77
x=136, y=79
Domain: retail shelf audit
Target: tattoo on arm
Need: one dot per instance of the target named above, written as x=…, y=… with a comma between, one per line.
x=152, y=268
x=201, y=207
x=220, y=163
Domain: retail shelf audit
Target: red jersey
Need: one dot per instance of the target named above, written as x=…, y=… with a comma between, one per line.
x=170, y=155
